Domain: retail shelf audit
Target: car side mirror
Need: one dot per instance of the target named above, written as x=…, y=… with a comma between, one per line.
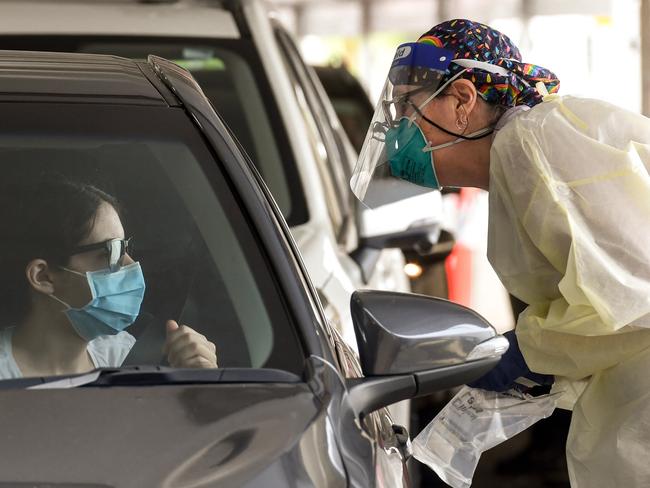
x=413, y=345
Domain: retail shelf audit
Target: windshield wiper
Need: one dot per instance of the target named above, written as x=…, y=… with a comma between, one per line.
x=67, y=382
x=152, y=376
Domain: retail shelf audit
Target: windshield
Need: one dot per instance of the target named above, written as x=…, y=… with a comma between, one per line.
x=230, y=74
x=122, y=244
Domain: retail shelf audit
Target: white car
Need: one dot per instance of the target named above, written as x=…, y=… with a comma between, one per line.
x=249, y=67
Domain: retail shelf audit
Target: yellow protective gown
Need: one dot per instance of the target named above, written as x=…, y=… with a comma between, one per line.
x=569, y=234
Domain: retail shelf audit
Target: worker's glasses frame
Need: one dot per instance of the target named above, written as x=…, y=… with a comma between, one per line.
x=116, y=250
x=401, y=104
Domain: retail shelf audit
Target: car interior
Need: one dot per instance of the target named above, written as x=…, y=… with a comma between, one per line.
x=197, y=268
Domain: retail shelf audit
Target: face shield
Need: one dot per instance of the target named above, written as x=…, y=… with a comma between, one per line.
x=396, y=160
x=416, y=71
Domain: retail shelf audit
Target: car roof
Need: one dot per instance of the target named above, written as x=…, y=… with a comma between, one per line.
x=187, y=18
x=90, y=78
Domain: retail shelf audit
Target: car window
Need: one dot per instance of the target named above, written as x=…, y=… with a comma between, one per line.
x=319, y=151
x=331, y=164
x=354, y=119
x=230, y=74
x=201, y=262
x=349, y=100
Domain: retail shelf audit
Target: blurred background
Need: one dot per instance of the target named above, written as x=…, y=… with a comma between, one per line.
x=585, y=42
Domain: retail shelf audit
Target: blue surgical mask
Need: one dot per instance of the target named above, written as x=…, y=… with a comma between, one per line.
x=116, y=300
x=409, y=155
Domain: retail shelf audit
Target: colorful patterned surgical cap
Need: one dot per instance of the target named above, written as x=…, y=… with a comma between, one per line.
x=472, y=40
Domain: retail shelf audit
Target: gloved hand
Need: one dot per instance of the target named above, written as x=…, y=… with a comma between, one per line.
x=512, y=366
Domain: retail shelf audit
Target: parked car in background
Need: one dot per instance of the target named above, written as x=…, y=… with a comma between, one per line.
x=426, y=264
x=350, y=101
x=291, y=404
x=250, y=69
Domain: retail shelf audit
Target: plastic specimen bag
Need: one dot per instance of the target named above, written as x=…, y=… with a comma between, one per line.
x=471, y=423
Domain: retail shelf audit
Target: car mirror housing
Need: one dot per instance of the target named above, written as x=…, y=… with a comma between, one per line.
x=412, y=345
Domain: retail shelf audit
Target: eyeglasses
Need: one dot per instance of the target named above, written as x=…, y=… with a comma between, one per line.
x=116, y=249
x=401, y=105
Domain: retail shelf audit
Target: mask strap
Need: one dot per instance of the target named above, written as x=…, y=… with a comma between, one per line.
x=68, y=307
x=469, y=137
x=418, y=112
x=479, y=134
x=489, y=67
x=72, y=271
x=437, y=92
x=467, y=64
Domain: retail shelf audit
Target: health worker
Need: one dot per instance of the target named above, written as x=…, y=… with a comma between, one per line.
x=569, y=223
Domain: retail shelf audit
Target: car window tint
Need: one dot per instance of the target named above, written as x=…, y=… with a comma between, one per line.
x=354, y=120
x=231, y=76
x=349, y=100
x=201, y=262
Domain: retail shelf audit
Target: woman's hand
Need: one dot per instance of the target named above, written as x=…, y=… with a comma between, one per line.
x=186, y=348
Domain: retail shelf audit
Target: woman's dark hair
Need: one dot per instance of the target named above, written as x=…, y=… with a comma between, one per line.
x=45, y=219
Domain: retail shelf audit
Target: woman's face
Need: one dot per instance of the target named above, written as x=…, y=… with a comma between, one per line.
x=73, y=288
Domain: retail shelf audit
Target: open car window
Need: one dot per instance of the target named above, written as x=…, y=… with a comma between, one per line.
x=202, y=264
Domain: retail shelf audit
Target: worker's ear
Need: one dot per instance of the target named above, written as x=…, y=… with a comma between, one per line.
x=465, y=94
x=39, y=276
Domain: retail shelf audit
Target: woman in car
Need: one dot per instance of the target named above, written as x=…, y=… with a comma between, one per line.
x=70, y=289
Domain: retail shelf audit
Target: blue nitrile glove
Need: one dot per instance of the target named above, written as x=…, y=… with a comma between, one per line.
x=512, y=366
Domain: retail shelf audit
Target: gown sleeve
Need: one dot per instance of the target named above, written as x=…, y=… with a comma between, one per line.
x=570, y=232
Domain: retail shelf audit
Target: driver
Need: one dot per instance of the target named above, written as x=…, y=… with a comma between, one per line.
x=70, y=288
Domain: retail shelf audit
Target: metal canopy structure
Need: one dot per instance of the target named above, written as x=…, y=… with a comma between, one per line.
x=583, y=49
x=346, y=17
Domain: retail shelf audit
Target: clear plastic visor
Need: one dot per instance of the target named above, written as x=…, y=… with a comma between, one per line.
x=407, y=87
